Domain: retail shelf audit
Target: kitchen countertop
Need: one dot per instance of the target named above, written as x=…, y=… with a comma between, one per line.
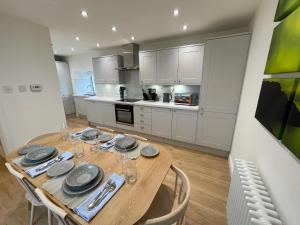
x=159, y=104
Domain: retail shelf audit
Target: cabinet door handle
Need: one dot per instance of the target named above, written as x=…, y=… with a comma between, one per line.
x=142, y=115
x=142, y=128
x=142, y=121
x=174, y=81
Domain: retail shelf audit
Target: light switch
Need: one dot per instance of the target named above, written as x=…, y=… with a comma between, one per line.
x=22, y=88
x=7, y=89
x=36, y=87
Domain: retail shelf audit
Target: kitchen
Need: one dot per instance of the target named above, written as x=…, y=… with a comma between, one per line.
x=148, y=112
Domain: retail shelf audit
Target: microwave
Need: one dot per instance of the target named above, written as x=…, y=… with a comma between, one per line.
x=186, y=98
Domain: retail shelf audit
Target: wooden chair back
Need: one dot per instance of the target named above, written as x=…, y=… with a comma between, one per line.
x=23, y=181
x=58, y=213
x=176, y=216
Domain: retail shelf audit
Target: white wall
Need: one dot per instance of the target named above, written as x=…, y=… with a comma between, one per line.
x=252, y=141
x=26, y=58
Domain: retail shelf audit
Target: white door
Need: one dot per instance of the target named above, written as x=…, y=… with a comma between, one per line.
x=223, y=73
x=190, y=64
x=167, y=66
x=184, y=126
x=90, y=111
x=98, y=112
x=162, y=122
x=215, y=130
x=80, y=105
x=109, y=117
x=65, y=84
x=147, y=67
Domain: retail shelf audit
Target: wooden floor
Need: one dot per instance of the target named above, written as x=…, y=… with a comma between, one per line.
x=208, y=174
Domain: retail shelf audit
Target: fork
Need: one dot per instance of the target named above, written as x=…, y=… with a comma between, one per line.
x=93, y=203
x=58, y=159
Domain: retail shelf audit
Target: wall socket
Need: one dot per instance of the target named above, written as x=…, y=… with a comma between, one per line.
x=22, y=88
x=36, y=87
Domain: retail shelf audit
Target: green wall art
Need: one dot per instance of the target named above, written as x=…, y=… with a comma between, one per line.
x=291, y=134
x=284, y=8
x=284, y=53
x=275, y=99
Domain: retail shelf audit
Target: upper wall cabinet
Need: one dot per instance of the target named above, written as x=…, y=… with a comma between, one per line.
x=223, y=73
x=147, y=67
x=190, y=64
x=167, y=66
x=105, y=69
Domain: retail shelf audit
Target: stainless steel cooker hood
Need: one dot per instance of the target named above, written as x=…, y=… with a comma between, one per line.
x=130, y=53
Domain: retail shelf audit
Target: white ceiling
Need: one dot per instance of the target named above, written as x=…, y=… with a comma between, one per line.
x=145, y=19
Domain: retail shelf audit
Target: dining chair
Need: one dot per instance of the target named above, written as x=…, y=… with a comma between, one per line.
x=30, y=194
x=106, y=129
x=169, y=206
x=136, y=137
x=60, y=214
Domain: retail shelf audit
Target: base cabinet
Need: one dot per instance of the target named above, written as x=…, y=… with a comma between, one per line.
x=184, y=126
x=162, y=122
x=102, y=113
x=215, y=130
x=80, y=105
x=108, y=114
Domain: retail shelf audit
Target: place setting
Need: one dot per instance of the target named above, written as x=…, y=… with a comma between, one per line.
x=37, y=159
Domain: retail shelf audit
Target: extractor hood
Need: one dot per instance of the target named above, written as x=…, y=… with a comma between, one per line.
x=130, y=53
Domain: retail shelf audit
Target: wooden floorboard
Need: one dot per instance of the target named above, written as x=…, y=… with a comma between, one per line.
x=208, y=174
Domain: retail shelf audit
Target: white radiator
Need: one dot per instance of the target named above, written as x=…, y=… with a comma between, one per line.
x=249, y=202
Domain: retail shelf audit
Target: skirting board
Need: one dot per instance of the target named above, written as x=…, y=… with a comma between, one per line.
x=170, y=141
x=231, y=166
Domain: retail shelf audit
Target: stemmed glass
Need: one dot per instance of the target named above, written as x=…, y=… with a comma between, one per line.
x=64, y=131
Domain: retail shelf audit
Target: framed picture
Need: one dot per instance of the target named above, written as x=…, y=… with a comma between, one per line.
x=284, y=53
x=285, y=7
x=274, y=101
x=291, y=134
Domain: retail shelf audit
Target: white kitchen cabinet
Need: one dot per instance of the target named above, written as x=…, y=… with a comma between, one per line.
x=184, y=126
x=90, y=111
x=147, y=62
x=223, y=73
x=215, y=130
x=190, y=64
x=162, y=122
x=80, y=105
x=167, y=66
x=105, y=69
x=108, y=112
x=142, y=119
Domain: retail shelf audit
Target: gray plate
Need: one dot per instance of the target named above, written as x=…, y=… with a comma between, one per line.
x=125, y=143
x=26, y=163
x=28, y=148
x=127, y=149
x=81, y=176
x=40, y=154
x=91, y=134
x=60, y=168
x=87, y=188
x=105, y=137
x=149, y=151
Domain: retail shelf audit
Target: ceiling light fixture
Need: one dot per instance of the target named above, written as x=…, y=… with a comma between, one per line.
x=184, y=27
x=84, y=14
x=175, y=12
x=132, y=38
x=114, y=29
x=98, y=45
x=72, y=49
x=77, y=39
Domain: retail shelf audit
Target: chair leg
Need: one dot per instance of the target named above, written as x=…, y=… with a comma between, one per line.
x=32, y=214
x=49, y=217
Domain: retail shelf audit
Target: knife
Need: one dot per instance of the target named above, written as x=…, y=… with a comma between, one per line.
x=93, y=203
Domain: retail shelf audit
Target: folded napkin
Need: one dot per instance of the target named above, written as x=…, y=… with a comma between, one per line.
x=79, y=133
x=35, y=171
x=82, y=209
x=112, y=142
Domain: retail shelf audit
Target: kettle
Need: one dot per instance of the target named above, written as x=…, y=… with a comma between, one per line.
x=167, y=97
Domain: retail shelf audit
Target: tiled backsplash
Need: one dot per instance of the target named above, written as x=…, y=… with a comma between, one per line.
x=134, y=89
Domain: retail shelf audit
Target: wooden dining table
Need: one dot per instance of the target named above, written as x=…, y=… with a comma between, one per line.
x=131, y=202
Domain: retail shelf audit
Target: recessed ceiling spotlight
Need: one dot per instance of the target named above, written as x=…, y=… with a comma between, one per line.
x=77, y=38
x=132, y=38
x=185, y=27
x=72, y=49
x=114, y=29
x=175, y=12
x=98, y=45
x=84, y=14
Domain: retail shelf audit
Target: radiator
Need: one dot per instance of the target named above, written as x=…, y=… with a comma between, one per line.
x=249, y=202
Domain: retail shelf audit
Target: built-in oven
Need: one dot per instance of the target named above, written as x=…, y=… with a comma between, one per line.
x=124, y=114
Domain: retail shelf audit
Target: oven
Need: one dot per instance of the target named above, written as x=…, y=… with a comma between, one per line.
x=124, y=114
